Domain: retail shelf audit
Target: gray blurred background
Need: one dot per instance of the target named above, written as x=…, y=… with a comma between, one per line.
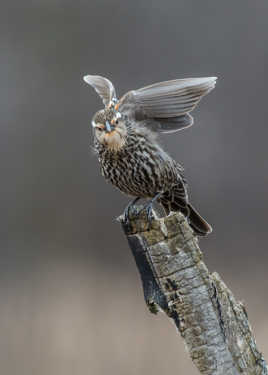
x=71, y=299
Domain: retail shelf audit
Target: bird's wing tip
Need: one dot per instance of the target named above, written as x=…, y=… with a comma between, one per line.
x=211, y=79
x=86, y=78
x=214, y=79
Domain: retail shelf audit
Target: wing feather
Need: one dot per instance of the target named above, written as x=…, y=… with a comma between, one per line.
x=173, y=98
x=103, y=87
x=172, y=124
x=167, y=100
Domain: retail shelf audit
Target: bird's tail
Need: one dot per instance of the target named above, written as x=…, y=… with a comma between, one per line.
x=195, y=220
x=198, y=224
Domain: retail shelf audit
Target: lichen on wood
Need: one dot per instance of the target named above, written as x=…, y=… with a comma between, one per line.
x=175, y=280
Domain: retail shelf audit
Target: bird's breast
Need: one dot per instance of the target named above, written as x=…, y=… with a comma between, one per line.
x=138, y=170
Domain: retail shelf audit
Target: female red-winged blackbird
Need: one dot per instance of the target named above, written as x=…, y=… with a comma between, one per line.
x=125, y=133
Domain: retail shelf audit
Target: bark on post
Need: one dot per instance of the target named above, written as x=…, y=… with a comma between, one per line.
x=175, y=279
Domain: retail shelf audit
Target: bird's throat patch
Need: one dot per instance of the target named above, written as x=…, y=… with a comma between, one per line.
x=114, y=140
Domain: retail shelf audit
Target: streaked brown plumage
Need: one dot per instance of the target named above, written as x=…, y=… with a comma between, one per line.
x=125, y=138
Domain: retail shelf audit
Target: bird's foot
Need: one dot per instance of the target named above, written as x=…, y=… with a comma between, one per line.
x=149, y=214
x=130, y=210
x=149, y=210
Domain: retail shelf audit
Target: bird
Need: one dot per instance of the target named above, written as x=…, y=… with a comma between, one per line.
x=126, y=141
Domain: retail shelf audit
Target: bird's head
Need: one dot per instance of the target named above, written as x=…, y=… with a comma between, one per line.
x=108, y=124
x=109, y=128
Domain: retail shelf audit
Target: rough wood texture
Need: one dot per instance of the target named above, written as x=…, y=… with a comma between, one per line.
x=175, y=279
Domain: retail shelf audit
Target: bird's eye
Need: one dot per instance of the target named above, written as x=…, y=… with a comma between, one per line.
x=117, y=117
x=98, y=127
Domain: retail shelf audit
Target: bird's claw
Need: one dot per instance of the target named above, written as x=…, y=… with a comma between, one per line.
x=130, y=211
x=149, y=213
x=148, y=208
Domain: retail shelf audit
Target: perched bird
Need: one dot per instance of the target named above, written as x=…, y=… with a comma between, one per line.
x=125, y=139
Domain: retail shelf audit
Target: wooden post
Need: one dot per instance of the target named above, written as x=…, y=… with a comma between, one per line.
x=175, y=279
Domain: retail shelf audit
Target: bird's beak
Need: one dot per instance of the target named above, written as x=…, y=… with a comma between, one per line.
x=108, y=127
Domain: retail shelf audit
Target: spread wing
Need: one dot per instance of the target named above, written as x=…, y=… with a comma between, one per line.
x=103, y=86
x=167, y=103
